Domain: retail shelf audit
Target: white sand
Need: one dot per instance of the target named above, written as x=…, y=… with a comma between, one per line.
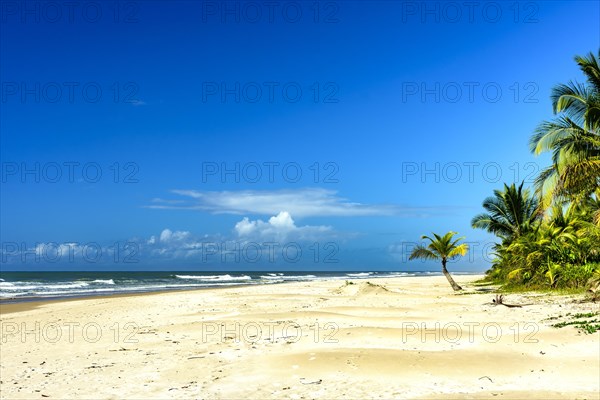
x=300, y=340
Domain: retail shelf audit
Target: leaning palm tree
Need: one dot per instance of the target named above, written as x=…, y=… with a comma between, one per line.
x=441, y=248
x=510, y=213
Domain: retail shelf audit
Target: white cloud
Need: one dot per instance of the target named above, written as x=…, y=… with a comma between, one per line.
x=283, y=220
x=245, y=227
x=167, y=235
x=306, y=202
x=279, y=227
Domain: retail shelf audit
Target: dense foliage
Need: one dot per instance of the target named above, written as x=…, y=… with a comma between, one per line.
x=551, y=237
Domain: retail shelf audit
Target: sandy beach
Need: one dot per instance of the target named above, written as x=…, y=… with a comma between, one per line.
x=391, y=338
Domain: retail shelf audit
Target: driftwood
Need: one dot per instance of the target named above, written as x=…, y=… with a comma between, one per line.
x=500, y=300
x=306, y=382
x=594, y=290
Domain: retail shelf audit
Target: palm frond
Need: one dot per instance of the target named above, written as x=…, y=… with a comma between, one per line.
x=423, y=253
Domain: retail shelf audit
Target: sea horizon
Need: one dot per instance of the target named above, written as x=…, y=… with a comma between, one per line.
x=23, y=286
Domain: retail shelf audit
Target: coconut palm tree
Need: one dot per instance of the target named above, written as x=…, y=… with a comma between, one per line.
x=578, y=101
x=511, y=213
x=442, y=248
x=575, y=170
x=573, y=138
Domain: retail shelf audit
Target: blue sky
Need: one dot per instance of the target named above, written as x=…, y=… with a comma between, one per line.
x=400, y=118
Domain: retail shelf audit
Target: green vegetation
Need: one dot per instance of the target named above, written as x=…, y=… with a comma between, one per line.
x=584, y=322
x=442, y=248
x=515, y=288
x=550, y=238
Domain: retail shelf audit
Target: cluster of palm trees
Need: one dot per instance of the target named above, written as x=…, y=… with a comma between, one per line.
x=552, y=236
x=549, y=237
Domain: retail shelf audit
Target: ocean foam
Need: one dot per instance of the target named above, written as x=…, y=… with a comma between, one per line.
x=104, y=281
x=288, y=277
x=215, y=277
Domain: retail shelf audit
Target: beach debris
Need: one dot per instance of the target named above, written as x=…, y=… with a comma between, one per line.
x=304, y=381
x=485, y=376
x=594, y=289
x=94, y=365
x=123, y=349
x=500, y=300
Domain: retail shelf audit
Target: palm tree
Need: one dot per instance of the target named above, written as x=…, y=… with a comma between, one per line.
x=511, y=213
x=575, y=170
x=581, y=102
x=444, y=248
x=573, y=138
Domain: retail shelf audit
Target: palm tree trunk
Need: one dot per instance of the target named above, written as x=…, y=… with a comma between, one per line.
x=449, y=277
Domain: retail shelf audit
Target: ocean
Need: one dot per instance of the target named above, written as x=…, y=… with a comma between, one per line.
x=28, y=286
